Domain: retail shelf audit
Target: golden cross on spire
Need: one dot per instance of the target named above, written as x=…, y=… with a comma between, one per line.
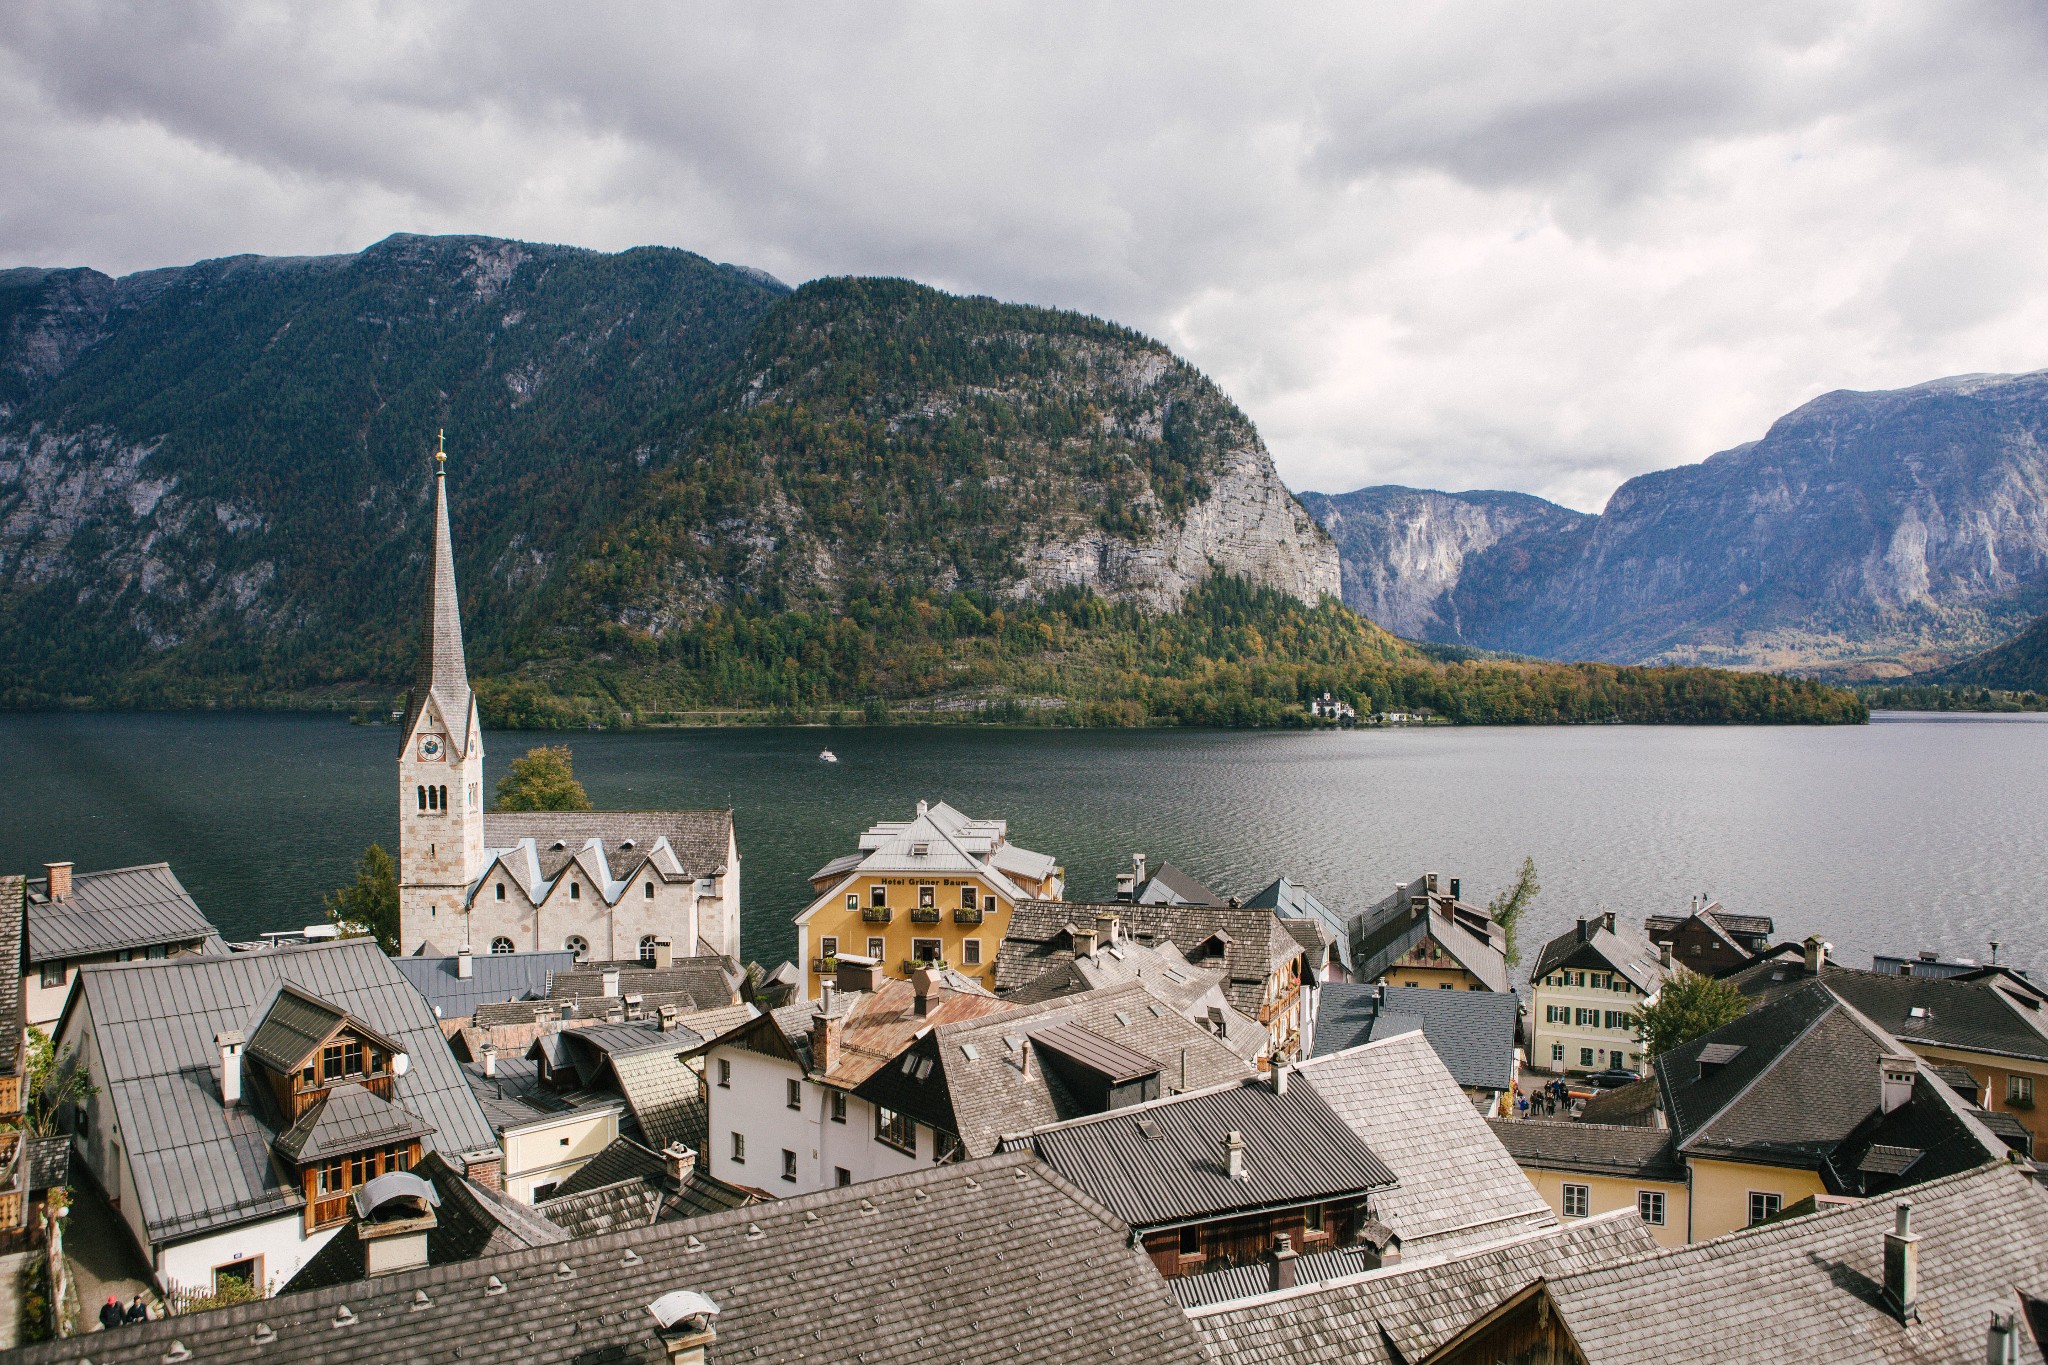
x=441, y=449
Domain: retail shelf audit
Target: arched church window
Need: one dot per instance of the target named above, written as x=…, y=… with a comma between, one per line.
x=423, y=798
x=650, y=891
x=501, y=945
x=647, y=949
x=575, y=891
x=444, y=798
x=578, y=945
x=501, y=890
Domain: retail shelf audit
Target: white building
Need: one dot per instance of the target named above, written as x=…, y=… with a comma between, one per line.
x=1587, y=989
x=240, y=1100
x=606, y=885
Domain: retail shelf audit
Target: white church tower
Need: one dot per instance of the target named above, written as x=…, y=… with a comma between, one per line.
x=441, y=769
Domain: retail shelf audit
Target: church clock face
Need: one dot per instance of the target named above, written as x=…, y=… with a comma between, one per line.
x=430, y=748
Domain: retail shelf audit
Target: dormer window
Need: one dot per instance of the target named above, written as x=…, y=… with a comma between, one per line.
x=342, y=1057
x=557, y=846
x=626, y=845
x=920, y=850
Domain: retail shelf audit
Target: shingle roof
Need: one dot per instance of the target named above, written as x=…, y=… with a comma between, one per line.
x=1456, y=1178
x=106, y=912
x=1398, y=1315
x=1808, y=1287
x=348, y=1118
x=626, y=1162
x=494, y=977
x=1391, y=929
x=707, y=982
x=1594, y=1148
x=1473, y=1031
x=700, y=839
x=197, y=1164
x=1052, y=1277
x=1970, y=1013
x=1607, y=940
x=1258, y=942
x=1163, y=1162
x=1190, y=989
x=984, y=1096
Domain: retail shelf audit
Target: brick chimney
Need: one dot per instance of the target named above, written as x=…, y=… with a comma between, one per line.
x=1902, y=1266
x=230, y=1043
x=465, y=965
x=1283, y=1257
x=59, y=875
x=828, y=1028
x=678, y=1161
x=1816, y=954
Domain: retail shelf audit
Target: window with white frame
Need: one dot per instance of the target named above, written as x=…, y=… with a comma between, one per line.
x=1764, y=1206
x=828, y=946
x=1578, y=1199
x=725, y=1073
x=1650, y=1204
x=876, y=949
x=878, y=897
x=2019, y=1091
x=739, y=1149
x=970, y=953
x=853, y=900
x=793, y=1096
x=789, y=1165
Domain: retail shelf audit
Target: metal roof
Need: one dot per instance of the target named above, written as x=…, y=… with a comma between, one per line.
x=1106, y=1057
x=197, y=1164
x=348, y=1119
x=494, y=978
x=1052, y=1276
x=292, y=1027
x=113, y=911
x=1164, y=1162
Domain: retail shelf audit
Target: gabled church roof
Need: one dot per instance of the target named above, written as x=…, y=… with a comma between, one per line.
x=442, y=673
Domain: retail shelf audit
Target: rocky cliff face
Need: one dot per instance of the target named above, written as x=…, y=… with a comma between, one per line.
x=221, y=469
x=1451, y=567
x=1866, y=534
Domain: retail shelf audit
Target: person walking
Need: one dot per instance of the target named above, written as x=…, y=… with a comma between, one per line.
x=111, y=1315
x=138, y=1311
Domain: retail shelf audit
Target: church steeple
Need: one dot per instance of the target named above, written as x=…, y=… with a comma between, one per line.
x=441, y=671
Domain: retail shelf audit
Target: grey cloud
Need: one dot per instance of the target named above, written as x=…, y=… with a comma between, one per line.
x=1506, y=245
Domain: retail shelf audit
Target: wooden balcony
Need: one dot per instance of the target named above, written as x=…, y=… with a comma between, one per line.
x=327, y=1211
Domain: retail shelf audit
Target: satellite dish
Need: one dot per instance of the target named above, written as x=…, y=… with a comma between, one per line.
x=400, y=1063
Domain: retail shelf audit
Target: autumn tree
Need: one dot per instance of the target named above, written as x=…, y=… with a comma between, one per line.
x=543, y=780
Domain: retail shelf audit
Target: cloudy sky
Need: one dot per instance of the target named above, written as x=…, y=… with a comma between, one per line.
x=1470, y=245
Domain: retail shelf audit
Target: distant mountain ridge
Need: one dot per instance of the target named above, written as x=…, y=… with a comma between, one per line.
x=1866, y=534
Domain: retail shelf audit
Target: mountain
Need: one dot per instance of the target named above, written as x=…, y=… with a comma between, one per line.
x=2018, y=665
x=214, y=479
x=1866, y=534
x=1450, y=567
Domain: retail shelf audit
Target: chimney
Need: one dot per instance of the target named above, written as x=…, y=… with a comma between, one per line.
x=1608, y=919
x=230, y=1044
x=489, y=1055
x=1454, y=888
x=1233, y=1155
x=1895, y=1080
x=465, y=966
x=685, y=1321
x=664, y=954
x=1138, y=868
x=671, y=1018
x=1664, y=955
x=1816, y=954
x=828, y=992
x=678, y=1161
x=856, y=973
x=394, y=1234
x=1108, y=929
x=2003, y=1345
x=1084, y=942
x=922, y=808
x=826, y=1032
x=1284, y=1256
x=1902, y=1267
x=1584, y=929
x=60, y=879
x=924, y=982
x=1280, y=1078
x=611, y=983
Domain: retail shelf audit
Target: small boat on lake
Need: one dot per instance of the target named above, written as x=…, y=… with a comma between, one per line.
x=827, y=756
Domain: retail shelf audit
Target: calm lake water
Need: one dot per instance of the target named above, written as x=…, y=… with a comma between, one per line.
x=1913, y=832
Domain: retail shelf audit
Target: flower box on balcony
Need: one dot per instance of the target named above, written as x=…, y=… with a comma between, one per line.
x=925, y=914
x=876, y=914
x=967, y=917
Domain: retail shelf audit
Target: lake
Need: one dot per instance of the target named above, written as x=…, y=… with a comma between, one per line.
x=1913, y=832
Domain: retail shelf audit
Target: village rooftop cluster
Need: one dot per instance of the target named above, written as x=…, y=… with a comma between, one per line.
x=978, y=1120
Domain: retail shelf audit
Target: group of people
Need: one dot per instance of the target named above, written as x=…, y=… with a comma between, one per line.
x=1548, y=1102
x=112, y=1315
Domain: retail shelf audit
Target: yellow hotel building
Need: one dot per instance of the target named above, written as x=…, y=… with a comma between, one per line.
x=936, y=888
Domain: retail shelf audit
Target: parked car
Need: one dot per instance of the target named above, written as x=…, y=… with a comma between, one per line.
x=1614, y=1078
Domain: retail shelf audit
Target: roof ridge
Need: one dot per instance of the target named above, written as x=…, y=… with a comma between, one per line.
x=1834, y=1003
